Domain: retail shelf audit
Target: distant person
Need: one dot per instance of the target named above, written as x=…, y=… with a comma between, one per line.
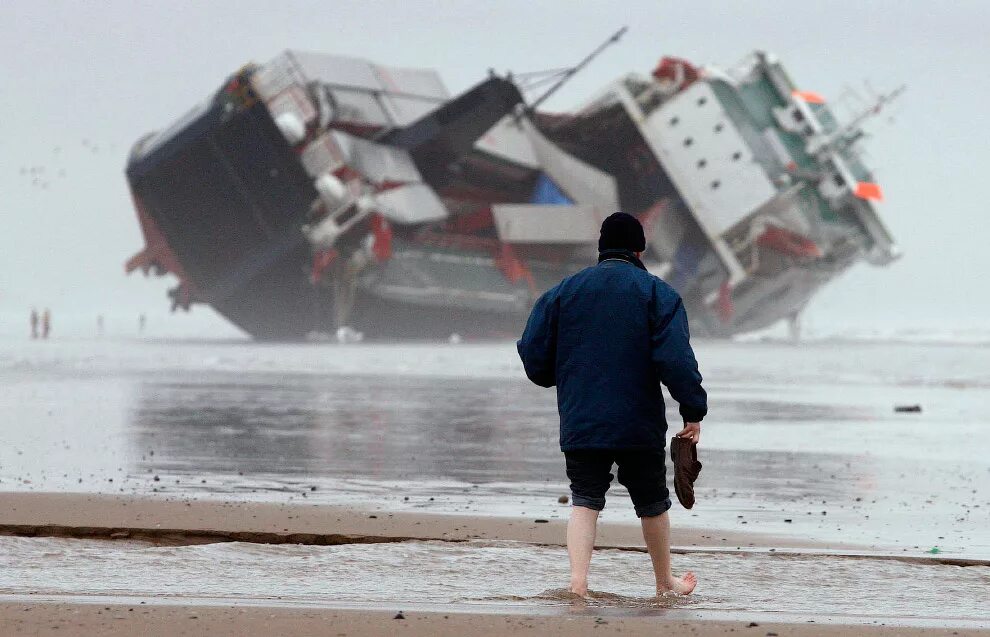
x=46, y=323
x=34, y=323
x=99, y=325
x=607, y=337
x=142, y=321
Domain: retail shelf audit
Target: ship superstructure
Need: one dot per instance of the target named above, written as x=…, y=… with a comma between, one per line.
x=322, y=194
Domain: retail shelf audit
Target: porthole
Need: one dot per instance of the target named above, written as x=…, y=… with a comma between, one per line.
x=702, y=101
x=674, y=120
x=736, y=156
x=688, y=141
x=719, y=127
x=716, y=184
x=702, y=163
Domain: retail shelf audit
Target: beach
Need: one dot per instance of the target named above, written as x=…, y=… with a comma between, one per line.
x=298, y=484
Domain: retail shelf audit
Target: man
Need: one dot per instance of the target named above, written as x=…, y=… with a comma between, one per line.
x=607, y=337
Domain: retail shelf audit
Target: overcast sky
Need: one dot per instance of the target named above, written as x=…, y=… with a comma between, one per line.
x=80, y=81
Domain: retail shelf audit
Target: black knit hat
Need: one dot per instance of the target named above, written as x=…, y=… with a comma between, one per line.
x=621, y=231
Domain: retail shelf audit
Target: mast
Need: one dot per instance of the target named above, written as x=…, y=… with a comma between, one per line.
x=563, y=75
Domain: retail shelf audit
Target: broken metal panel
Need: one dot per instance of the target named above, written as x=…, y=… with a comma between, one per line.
x=323, y=155
x=378, y=162
x=582, y=182
x=336, y=70
x=293, y=100
x=507, y=140
x=410, y=204
x=359, y=107
x=423, y=83
x=361, y=91
x=535, y=223
x=406, y=110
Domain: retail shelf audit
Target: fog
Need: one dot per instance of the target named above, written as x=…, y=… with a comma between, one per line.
x=80, y=82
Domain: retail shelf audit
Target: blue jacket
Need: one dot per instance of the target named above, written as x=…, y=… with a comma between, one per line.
x=607, y=337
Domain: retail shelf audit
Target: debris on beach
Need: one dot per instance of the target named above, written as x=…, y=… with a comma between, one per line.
x=907, y=409
x=563, y=499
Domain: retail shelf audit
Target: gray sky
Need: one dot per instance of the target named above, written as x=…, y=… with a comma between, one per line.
x=80, y=81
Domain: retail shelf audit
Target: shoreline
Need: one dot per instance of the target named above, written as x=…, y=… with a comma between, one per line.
x=166, y=618
x=183, y=520
x=171, y=520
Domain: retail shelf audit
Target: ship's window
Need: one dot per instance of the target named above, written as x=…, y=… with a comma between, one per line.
x=702, y=101
x=702, y=163
x=688, y=141
x=718, y=127
x=736, y=156
x=716, y=184
x=674, y=120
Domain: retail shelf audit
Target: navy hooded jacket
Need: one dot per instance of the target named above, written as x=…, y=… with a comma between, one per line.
x=607, y=337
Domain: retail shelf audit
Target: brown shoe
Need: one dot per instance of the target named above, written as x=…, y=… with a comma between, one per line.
x=684, y=455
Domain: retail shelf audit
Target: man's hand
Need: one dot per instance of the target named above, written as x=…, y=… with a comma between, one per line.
x=691, y=431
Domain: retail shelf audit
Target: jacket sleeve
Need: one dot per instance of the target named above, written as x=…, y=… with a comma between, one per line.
x=673, y=357
x=538, y=346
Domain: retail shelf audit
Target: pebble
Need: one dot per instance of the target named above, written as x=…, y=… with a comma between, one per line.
x=563, y=499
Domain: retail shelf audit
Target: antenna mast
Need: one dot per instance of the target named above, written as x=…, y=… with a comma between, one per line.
x=565, y=74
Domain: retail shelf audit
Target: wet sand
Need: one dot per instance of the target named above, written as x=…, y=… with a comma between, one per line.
x=183, y=520
x=112, y=620
x=211, y=567
x=412, y=457
x=803, y=442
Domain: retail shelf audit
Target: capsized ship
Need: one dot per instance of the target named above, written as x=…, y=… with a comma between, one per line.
x=317, y=194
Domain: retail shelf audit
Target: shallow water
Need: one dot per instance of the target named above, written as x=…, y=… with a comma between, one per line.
x=486, y=573
x=806, y=434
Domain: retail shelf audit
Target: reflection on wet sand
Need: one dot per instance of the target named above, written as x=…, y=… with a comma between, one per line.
x=384, y=428
x=802, y=441
x=419, y=429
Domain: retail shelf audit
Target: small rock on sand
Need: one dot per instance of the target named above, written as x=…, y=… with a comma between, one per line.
x=563, y=499
x=907, y=409
x=399, y=615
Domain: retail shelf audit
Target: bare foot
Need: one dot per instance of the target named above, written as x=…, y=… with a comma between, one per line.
x=579, y=588
x=681, y=585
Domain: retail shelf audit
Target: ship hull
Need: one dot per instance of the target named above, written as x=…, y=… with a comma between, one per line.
x=299, y=208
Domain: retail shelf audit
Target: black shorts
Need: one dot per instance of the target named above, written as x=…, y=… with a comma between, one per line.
x=643, y=473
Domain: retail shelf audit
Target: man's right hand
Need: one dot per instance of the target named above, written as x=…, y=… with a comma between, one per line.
x=691, y=431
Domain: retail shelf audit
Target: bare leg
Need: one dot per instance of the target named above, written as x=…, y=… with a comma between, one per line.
x=580, y=543
x=656, y=533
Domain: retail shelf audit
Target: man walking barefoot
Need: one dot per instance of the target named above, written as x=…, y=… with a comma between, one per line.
x=607, y=337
